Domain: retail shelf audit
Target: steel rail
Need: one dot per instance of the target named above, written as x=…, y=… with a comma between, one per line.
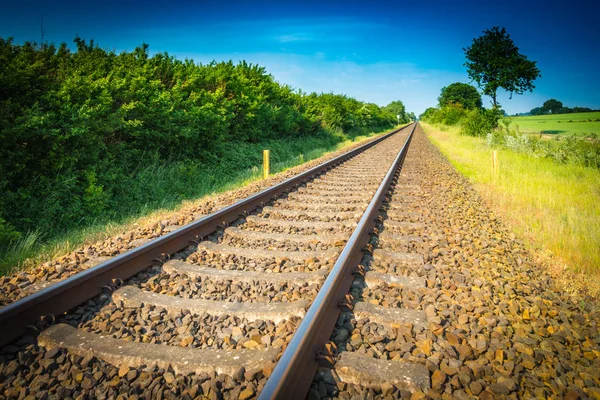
x=75, y=290
x=296, y=368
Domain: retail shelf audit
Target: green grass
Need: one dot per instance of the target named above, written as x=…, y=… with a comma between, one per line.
x=553, y=206
x=576, y=123
x=162, y=187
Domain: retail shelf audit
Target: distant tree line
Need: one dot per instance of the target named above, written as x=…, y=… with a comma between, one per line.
x=74, y=124
x=554, y=106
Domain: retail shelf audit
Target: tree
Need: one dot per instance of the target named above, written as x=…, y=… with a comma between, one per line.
x=537, y=111
x=552, y=106
x=397, y=108
x=493, y=61
x=461, y=93
x=428, y=114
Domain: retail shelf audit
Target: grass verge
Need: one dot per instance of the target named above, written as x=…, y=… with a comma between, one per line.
x=577, y=123
x=554, y=207
x=161, y=188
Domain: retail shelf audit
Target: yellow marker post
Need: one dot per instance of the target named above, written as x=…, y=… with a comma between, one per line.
x=265, y=164
x=495, y=165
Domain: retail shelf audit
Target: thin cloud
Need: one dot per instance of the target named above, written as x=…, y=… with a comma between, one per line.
x=298, y=37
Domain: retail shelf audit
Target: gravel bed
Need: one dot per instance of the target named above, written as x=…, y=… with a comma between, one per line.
x=284, y=204
x=500, y=329
x=416, y=244
x=150, y=324
x=379, y=341
x=304, y=230
x=392, y=268
x=315, y=199
x=182, y=286
x=397, y=297
x=26, y=369
x=309, y=216
x=287, y=245
x=53, y=373
x=234, y=262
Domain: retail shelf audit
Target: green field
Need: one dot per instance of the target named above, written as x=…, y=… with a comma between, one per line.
x=577, y=123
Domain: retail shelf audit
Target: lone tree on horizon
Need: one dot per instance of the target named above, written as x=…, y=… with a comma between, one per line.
x=552, y=106
x=493, y=61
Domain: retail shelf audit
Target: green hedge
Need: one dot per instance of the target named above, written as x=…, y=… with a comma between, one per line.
x=77, y=127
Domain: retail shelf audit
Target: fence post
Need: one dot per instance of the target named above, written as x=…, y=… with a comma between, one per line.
x=265, y=164
x=495, y=165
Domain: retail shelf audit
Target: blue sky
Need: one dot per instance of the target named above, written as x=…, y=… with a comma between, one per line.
x=375, y=51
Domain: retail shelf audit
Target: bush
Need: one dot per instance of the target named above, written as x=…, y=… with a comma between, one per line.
x=76, y=127
x=447, y=115
x=450, y=114
x=428, y=114
x=563, y=149
x=479, y=122
x=8, y=234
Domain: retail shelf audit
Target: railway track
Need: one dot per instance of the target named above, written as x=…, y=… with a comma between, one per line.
x=381, y=344
x=214, y=316
x=348, y=281
x=452, y=305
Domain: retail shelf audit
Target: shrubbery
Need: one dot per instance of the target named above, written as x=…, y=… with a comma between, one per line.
x=499, y=132
x=479, y=122
x=472, y=122
x=564, y=149
x=459, y=104
x=78, y=127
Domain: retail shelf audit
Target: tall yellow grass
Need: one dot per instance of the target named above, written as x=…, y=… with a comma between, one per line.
x=555, y=207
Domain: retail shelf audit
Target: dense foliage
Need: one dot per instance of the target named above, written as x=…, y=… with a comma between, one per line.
x=494, y=61
x=77, y=127
x=571, y=149
x=472, y=122
x=398, y=109
x=460, y=93
x=460, y=105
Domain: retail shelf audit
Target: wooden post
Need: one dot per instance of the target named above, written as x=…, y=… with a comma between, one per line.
x=495, y=165
x=265, y=164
